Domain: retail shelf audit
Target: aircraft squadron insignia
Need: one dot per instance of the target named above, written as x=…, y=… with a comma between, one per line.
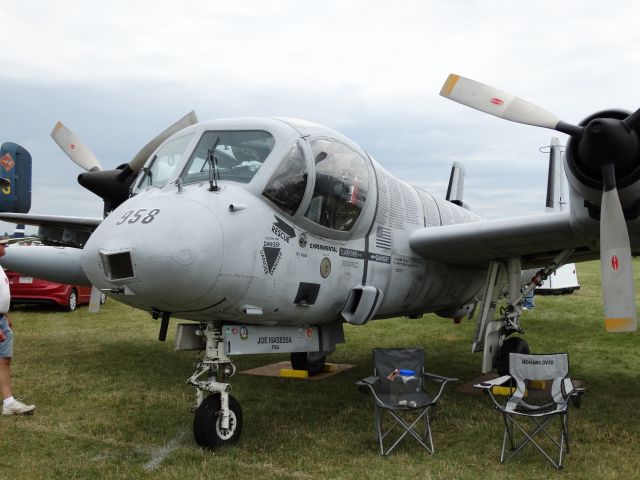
x=7, y=162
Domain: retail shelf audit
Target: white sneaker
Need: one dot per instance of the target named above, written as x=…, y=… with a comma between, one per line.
x=18, y=408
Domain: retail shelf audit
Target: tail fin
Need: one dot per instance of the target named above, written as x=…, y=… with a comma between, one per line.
x=555, y=189
x=15, y=168
x=455, y=190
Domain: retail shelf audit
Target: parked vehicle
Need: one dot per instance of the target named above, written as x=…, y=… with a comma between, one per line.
x=26, y=289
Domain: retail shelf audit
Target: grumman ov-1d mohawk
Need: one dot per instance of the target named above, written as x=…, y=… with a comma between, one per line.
x=270, y=234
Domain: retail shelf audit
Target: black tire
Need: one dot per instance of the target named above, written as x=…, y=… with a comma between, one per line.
x=510, y=345
x=206, y=423
x=72, y=301
x=312, y=362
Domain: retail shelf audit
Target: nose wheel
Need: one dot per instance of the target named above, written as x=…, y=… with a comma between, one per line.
x=218, y=416
x=208, y=423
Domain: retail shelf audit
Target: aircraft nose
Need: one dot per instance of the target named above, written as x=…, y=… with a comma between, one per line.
x=166, y=253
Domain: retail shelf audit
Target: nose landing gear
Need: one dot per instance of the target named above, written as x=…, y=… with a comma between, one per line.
x=218, y=417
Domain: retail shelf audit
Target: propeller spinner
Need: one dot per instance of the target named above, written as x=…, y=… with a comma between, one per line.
x=608, y=144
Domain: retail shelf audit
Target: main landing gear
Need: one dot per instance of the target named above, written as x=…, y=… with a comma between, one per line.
x=218, y=416
x=493, y=335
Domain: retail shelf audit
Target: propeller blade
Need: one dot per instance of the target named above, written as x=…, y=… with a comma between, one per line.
x=597, y=141
x=142, y=156
x=616, y=268
x=502, y=104
x=74, y=148
x=633, y=120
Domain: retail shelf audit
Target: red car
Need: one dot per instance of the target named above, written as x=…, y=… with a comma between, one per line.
x=34, y=290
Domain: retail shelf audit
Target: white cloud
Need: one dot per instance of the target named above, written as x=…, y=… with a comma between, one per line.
x=119, y=72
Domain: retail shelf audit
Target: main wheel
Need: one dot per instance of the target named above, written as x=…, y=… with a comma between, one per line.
x=312, y=362
x=207, y=428
x=72, y=302
x=510, y=345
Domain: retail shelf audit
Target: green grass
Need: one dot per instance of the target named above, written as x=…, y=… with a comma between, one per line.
x=112, y=402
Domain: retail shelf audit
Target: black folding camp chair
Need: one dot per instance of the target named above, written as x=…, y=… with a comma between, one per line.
x=541, y=406
x=398, y=388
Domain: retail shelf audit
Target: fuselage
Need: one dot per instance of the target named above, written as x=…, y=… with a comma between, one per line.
x=272, y=221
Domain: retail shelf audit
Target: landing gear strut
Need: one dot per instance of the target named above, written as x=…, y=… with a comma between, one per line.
x=491, y=333
x=218, y=417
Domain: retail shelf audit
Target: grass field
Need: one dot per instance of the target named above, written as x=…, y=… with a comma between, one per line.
x=112, y=402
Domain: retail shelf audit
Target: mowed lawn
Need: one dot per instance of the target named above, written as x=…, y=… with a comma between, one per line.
x=112, y=402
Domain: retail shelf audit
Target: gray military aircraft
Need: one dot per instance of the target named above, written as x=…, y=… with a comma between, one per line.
x=270, y=234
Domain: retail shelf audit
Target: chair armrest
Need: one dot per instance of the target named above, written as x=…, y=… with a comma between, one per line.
x=438, y=378
x=487, y=387
x=367, y=384
x=489, y=384
x=369, y=381
x=572, y=394
x=570, y=389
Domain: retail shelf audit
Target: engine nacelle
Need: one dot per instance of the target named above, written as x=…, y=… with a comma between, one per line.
x=584, y=172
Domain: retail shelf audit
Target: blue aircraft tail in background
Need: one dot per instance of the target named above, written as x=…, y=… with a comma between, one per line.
x=15, y=178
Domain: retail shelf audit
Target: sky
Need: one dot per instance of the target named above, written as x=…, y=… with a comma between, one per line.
x=117, y=73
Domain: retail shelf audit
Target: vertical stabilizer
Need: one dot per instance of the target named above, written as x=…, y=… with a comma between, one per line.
x=455, y=191
x=555, y=189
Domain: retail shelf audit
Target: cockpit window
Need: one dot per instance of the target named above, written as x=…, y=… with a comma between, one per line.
x=236, y=155
x=287, y=184
x=165, y=163
x=341, y=185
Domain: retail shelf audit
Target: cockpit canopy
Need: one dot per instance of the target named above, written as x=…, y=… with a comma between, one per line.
x=340, y=187
x=337, y=171
x=234, y=156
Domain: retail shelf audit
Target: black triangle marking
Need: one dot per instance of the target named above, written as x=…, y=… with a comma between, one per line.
x=271, y=255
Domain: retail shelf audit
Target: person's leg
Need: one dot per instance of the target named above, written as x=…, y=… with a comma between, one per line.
x=6, y=352
x=5, y=377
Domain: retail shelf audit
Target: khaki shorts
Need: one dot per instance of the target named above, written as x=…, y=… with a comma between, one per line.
x=6, y=347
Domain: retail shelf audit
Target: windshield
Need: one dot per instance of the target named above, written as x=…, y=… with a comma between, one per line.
x=237, y=155
x=164, y=164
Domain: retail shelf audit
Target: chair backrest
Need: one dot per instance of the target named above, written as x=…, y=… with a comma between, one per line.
x=548, y=367
x=386, y=360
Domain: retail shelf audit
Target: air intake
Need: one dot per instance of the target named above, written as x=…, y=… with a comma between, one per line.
x=118, y=266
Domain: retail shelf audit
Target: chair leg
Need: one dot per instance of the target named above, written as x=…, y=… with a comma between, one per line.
x=565, y=425
x=529, y=439
x=508, y=434
x=378, y=422
x=409, y=428
x=428, y=426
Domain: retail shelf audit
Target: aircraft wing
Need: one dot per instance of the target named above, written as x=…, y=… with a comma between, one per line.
x=70, y=231
x=536, y=239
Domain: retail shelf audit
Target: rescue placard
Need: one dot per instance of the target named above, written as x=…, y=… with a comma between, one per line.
x=241, y=339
